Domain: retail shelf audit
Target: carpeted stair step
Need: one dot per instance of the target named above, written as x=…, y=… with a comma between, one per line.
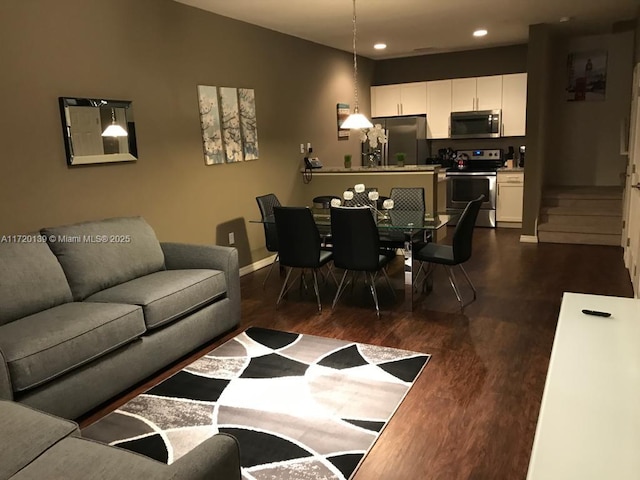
x=582, y=215
x=579, y=238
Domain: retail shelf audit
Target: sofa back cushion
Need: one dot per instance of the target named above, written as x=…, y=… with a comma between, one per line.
x=101, y=254
x=31, y=279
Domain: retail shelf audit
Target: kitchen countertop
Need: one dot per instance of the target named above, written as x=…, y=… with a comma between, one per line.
x=389, y=169
x=514, y=170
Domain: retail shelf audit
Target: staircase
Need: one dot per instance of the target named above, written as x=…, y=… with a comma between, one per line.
x=583, y=215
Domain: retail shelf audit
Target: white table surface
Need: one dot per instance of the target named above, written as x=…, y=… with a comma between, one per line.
x=589, y=422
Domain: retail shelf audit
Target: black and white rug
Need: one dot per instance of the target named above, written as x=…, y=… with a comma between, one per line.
x=301, y=406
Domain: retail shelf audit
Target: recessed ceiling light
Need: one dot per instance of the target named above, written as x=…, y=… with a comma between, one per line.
x=380, y=46
x=480, y=33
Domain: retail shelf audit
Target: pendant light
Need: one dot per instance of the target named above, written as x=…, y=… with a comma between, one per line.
x=356, y=120
x=114, y=130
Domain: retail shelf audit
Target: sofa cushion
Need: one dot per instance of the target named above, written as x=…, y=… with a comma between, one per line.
x=47, y=344
x=101, y=254
x=32, y=279
x=26, y=433
x=167, y=295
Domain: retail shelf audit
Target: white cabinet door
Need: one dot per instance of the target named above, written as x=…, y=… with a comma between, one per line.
x=413, y=98
x=489, y=93
x=385, y=101
x=510, y=197
x=514, y=105
x=438, y=108
x=463, y=94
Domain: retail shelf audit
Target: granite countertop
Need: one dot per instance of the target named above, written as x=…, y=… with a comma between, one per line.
x=389, y=169
x=514, y=169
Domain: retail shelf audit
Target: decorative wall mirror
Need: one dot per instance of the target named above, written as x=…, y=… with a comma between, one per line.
x=97, y=130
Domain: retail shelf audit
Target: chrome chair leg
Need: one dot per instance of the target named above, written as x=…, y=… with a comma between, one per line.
x=340, y=289
x=372, y=286
x=275, y=260
x=454, y=285
x=475, y=294
x=284, y=288
x=315, y=287
x=384, y=271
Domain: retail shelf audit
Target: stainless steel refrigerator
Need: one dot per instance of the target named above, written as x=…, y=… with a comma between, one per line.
x=406, y=134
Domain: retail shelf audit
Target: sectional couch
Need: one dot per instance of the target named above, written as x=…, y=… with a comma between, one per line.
x=88, y=310
x=35, y=445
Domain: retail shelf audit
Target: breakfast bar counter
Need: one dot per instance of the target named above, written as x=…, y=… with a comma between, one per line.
x=335, y=180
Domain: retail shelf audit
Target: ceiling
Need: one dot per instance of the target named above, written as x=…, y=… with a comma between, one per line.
x=418, y=27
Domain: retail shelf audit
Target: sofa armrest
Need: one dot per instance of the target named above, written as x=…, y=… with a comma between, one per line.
x=217, y=457
x=180, y=256
x=6, y=392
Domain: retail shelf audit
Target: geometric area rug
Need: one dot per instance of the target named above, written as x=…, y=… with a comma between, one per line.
x=301, y=406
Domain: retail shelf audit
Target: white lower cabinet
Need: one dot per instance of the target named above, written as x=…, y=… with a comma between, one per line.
x=510, y=197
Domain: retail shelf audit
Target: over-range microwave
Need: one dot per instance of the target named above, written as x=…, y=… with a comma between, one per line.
x=478, y=124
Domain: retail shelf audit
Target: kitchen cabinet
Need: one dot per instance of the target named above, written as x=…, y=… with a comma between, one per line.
x=514, y=105
x=476, y=93
x=400, y=99
x=438, y=108
x=509, y=198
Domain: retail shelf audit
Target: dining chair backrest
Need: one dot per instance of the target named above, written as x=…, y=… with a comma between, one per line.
x=408, y=198
x=356, y=243
x=266, y=204
x=298, y=237
x=463, y=234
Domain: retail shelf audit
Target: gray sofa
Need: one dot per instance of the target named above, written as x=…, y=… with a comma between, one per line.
x=35, y=445
x=89, y=310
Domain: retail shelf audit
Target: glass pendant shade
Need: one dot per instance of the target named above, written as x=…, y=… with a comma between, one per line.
x=356, y=120
x=114, y=130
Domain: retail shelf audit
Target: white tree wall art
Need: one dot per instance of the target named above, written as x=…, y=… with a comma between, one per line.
x=231, y=135
x=210, y=124
x=248, y=124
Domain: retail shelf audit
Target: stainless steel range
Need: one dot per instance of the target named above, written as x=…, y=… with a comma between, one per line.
x=474, y=172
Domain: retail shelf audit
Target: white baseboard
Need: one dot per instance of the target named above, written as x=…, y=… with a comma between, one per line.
x=528, y=238
x=252, y=267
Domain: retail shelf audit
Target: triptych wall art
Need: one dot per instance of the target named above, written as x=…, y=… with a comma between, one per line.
x=228, y=121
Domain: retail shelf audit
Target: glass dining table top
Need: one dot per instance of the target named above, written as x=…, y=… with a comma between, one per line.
x=402, y=220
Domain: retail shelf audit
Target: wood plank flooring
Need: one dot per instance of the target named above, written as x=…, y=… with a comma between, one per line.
x=472, y=413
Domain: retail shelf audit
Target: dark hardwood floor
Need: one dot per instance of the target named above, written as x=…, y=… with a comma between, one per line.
x=472, y=413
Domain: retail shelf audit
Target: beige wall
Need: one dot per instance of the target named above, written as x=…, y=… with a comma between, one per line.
x=586, y=134
x=155, y=53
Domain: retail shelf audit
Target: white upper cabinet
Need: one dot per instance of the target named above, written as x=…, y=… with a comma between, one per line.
x=401, y=99
x=476, y=93
x=438, y=108
x=514, y=105
x=441, y=97
x=463, y=94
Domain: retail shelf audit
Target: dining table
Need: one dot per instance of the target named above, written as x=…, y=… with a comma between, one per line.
x=410, y=227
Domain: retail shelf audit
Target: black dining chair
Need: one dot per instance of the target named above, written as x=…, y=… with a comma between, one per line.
x=455, y=254
x=408, y=205
x=299, y=246
x=266, y=204
x=356, y=248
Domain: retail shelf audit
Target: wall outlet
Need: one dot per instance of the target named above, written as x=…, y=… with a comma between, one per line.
x=302, y=148
x=232, y=238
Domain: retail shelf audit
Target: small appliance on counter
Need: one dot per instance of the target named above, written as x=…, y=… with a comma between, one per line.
x=522, y=151
x=509, y=158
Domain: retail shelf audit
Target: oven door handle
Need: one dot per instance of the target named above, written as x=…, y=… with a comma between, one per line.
x=471, y=174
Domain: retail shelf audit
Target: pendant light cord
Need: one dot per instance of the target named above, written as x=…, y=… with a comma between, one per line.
x=355, y=60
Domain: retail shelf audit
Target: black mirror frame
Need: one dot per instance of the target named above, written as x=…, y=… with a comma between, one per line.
x=66, y=102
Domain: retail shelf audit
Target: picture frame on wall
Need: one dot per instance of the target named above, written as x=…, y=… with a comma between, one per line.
x=586, y=76
x=343, y=111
